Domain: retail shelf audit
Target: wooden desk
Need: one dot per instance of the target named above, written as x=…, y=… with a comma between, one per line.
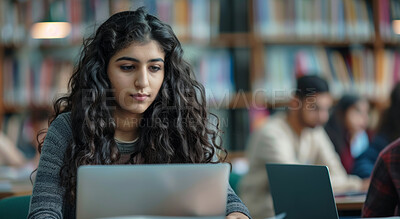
x=346, y=203
x=15, y=189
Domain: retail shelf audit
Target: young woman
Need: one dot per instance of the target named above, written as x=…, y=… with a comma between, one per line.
x=388, y=131
x=346, y=128
x=133, y=100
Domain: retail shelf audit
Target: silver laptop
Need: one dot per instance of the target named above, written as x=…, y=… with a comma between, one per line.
x=173, y=190
x=301, y=191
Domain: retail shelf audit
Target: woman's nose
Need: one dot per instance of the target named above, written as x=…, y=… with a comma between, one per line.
x=142, y=79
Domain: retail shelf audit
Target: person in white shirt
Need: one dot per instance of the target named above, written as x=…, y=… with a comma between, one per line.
x=295, y=137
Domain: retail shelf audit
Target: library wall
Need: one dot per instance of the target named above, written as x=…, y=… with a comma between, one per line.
x=247, y=53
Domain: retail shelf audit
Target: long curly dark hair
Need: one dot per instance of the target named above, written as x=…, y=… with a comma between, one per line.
x=176, y=128
x=336, y=125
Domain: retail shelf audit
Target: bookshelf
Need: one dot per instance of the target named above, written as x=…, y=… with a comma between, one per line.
x=351, y=41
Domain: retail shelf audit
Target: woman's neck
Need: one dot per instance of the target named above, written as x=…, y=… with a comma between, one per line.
x=127, y=124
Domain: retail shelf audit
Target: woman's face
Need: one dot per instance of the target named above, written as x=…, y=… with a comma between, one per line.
x=357, y=117
x=136, y=74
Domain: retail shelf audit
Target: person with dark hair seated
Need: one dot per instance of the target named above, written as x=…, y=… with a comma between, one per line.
x=388, y=130
x=347, y=127
x=133, y=100
x=294, y=137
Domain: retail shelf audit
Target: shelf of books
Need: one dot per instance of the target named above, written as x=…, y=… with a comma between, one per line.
x=310, y=20
x=247, y=53
x=351, y=65
x=389, y=27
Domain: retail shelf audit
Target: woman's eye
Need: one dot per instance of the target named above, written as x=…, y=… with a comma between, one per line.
x=127, y=67
x=155, y=68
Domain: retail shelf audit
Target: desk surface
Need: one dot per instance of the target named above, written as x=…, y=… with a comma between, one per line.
x=15, y=181
x=350, y=202
x=25, y=188
x=8, y=189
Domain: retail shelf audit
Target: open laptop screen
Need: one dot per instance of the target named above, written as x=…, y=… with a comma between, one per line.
x=159, y=190
x=301, y=191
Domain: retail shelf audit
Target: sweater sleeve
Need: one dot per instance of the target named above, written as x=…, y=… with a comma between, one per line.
x=48, y=194
x=235, y=204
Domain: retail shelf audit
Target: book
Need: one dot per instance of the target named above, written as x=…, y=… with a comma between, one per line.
x=241, y=69
x=233, y=16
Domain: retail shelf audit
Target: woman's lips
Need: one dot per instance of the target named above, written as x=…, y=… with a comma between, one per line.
x=140, y=97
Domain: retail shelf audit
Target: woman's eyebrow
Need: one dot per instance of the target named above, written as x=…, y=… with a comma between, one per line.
x=127, y=58
x=136, y=60
x=156, y=60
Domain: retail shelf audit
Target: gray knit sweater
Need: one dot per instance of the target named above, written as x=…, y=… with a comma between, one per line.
x=48, y=195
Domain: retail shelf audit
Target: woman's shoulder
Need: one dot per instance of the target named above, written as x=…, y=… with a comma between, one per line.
x=61, y=126
x=58, y=137
x=379, y=141
x=63, y=119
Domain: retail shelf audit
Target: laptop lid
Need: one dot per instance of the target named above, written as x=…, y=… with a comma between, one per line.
x=159, y=190
x=301, y=191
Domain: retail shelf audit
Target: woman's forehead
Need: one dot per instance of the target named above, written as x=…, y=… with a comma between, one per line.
x=142, y=49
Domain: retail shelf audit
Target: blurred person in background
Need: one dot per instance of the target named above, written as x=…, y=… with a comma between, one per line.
x=18, y=144
x=388, y=130
x=10, y=155
x=294, y=137
x=347, y=129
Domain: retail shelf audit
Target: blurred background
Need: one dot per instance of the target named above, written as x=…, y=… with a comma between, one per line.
x=247, y=53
